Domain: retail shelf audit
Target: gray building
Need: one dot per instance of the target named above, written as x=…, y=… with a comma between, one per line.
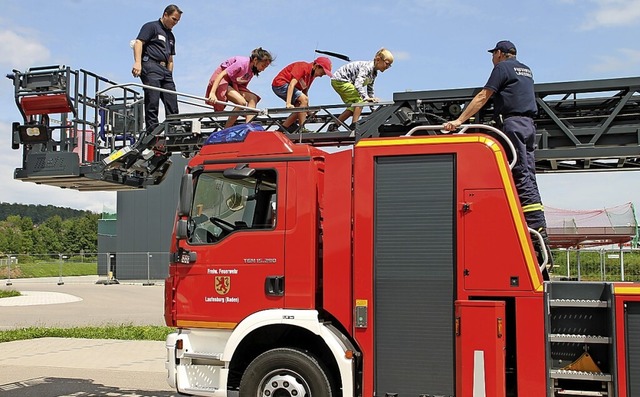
x=145, y=217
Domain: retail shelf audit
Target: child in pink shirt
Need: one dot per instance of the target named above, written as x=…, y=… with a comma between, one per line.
x=229, y=82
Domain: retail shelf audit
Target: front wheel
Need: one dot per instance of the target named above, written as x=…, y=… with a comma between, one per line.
x=285, y=372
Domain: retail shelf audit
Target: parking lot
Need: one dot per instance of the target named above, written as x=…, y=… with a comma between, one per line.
x=60, y=367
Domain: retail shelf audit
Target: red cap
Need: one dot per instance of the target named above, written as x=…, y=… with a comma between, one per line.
x=325, y=63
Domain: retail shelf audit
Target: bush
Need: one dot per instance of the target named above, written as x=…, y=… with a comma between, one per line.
x=8, y=293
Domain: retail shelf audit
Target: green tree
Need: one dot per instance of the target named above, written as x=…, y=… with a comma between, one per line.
x=38, y=213
x=54, y=235
x=27, y=241
x=54, y=222
x=4, y=241
x=87, y=226
x=15, y=221
x=80, y=234
x=12, y=235
x=26, y=224
x=46, y=241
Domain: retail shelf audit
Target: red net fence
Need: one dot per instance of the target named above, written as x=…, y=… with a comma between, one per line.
x=590, y=228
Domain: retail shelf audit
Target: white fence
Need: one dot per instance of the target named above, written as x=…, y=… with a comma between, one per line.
x=149, y=267
x=597, y=264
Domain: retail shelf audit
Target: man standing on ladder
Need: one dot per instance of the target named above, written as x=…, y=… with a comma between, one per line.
x=514, y=109
x=153, y=52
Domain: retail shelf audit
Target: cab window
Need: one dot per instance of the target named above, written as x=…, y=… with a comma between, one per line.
x=223, y=206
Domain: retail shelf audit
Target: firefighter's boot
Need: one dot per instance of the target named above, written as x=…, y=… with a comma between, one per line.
x=539, y=252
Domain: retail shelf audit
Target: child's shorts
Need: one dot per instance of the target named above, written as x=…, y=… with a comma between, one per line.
x=347, y=92
x=281, y=91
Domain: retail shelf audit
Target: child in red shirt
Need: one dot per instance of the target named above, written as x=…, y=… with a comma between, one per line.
x=292, y=85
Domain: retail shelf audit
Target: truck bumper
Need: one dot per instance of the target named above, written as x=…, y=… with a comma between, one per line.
x=193, y=370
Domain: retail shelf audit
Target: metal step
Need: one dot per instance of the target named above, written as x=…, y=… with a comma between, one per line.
x=203, y=355
x=194, y=390
x=575, y=393
x=571, y=338
x=578, y=303
x=579, y=375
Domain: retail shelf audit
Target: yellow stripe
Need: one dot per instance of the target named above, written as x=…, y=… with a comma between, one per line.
x=417, y=140
x=205, y=324
x=624, y=290
x=505, y=172
x=532, y=207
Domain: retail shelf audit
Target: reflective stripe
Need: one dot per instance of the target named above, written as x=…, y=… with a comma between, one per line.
x=479, y=382
x=533, y=207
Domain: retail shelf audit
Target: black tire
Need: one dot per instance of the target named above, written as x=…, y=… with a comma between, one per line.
x=280, y=371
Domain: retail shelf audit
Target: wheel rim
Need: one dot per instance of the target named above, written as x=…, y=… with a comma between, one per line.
x=283, y=383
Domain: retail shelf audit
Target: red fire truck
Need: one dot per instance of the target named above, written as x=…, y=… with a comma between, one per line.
x=398, y=266
x=393, y=261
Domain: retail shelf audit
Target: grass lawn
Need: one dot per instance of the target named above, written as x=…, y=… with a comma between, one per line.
x=114, y=331
x=110, y=331
x=50, y=268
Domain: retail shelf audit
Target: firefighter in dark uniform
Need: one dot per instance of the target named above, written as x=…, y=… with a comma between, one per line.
x=153, y=52
x=515, y=106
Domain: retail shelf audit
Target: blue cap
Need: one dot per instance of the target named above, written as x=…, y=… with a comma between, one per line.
x=505, y=46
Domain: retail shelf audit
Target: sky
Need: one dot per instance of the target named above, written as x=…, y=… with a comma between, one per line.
x=437, y=44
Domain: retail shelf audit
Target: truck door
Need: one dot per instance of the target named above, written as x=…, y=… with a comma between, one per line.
x=238, y=234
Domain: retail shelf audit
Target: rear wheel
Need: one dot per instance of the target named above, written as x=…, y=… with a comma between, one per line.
x=285, y=373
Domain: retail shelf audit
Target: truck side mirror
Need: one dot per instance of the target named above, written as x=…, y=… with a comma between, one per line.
x=182, y=229
x=186, y=195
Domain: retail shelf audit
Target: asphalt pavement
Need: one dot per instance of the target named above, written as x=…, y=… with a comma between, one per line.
x=71, y=367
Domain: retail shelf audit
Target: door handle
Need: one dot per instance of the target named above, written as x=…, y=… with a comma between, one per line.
x=274, y=285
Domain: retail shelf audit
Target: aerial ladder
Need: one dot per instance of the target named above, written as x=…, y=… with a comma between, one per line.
x=82, y=131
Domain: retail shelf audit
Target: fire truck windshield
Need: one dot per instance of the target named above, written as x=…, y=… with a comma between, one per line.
x=222, y=206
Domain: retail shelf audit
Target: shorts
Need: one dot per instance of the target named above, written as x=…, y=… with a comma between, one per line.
x=281, y=91
x=347, y=92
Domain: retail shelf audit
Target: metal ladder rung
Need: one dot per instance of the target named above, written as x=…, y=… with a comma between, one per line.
x=579, y=375
x=577, y=303
x=572, y=338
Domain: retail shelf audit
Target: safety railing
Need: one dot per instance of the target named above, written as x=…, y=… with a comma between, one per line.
x=504, y=140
